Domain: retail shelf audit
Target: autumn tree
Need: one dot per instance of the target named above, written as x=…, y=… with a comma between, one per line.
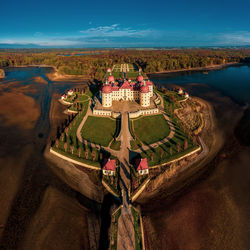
x=72, y=149
x=79, y=152
x=65, y=146
x=185, y=146
x=57, y=143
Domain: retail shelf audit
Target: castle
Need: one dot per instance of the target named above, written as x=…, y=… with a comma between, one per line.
x=139, y=90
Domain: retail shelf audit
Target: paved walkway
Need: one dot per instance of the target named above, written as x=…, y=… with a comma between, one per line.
x=126, y=234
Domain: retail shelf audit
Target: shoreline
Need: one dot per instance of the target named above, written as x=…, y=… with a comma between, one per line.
x=53, y=76
x=194, y=168
x=207, y=68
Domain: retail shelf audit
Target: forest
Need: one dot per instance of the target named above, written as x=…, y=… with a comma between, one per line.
x=93, y=64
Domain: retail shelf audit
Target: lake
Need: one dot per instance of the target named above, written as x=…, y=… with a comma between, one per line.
x=232, y=81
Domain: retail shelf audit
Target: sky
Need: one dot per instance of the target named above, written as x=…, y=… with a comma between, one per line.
x=155, y=23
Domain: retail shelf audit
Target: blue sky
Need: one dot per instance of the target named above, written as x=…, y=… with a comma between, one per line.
x=126, y=23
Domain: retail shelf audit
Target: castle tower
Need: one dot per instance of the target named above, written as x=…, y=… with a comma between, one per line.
x=144, y=96
x=106, y=96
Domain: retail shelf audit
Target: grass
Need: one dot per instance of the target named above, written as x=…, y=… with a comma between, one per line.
x=137, y=228
x=150, y=129
x=133, y=71
x=174, y=148
x=115, y=145
x=82, y=98
x=114, y=229
x=135, y=144
x=99, y=130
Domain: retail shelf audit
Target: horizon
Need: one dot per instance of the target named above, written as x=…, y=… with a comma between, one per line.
x=140, y=24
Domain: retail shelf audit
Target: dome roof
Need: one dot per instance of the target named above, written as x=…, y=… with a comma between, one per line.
x=144, y=89
x=140, y=78
x=106, y=89
x=111, y=79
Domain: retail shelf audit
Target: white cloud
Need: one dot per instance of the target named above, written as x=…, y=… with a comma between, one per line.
x=113, y=30
x=234, y=38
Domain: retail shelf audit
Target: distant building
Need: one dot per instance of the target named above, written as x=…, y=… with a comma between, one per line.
x=186, y=95
x=141, y=166
x=140, y=89
x=180, y=91
x=108, y=167
x=70, y=92
x=109, y=70
x=63, y=97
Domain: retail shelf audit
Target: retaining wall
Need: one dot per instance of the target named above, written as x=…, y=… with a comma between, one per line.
x=73, y=161
x=143, y=112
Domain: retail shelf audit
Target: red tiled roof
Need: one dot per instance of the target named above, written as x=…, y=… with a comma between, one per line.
x=134, y=86
x=108, y=164
x=140, y=78
x=141, y=164
x=144, y=89
x=106, y=89
x=111, y=79
x=125, y=85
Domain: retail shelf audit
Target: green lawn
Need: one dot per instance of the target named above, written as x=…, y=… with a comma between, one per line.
x=82, y=98
x=150, y=129
x=116, y=145
x=99, y=130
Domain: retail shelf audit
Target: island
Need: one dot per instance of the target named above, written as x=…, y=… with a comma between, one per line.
x=130, y=132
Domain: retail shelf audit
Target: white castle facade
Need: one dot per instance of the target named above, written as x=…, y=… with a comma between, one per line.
x=140, y=90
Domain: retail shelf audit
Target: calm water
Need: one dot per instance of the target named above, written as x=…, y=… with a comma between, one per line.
x=232, y=81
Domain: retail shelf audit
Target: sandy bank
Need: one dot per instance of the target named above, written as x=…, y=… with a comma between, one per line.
x=19, y=109
x=213, y=143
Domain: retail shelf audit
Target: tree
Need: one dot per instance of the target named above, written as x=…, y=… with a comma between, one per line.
x=185, y=146
x=62, y=137
x=161, y=153
x=170, y=151
x=79, y=152
x=72, y=149
x=151, y=156
x=101, y=155
x=178, y=147
x=67, y=131
x=86, y=153
x=57, y=143
x=65, y=146
x=93, y=155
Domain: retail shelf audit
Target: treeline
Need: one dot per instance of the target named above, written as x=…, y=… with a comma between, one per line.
x=94, y=65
